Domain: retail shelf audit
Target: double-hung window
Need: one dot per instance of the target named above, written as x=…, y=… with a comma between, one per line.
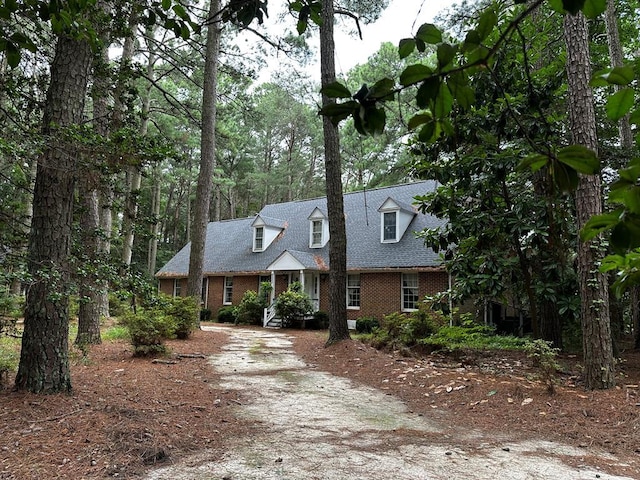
x=390, y=226
x=410, y=291
x=258, y=241
x=353, y=291
x=177, y=287
x=316, y=233
x=228, y=290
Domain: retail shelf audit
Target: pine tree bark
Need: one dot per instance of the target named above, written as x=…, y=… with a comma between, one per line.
x=44, y=357
x=596, y=328
x=208, y=154
x=338, y=329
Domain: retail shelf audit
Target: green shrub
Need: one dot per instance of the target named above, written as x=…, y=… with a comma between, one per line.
x=227, y=314
x=366, y=324
x=205, y=315
x=320, y=321
x=119, y=304
x=293, y=305
x=11, y=306
x=544, y=358
x=471, y=336
x=183, y=311
x=148, y=328
x=9, y=357
x=251, y=308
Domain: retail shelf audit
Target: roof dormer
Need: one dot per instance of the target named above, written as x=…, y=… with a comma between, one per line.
x=318, y=229
x=395, y=217
x=265, y=231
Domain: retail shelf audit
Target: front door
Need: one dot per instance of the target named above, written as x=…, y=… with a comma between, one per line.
x=312, y=288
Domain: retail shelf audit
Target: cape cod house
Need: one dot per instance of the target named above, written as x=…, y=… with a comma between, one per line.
x=388, y=268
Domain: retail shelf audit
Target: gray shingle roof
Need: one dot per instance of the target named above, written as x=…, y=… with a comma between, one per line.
x=229, y=243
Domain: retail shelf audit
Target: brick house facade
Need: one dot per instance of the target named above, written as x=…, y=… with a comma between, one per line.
x=389, y=268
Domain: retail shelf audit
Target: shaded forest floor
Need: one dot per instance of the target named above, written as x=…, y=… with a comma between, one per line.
x=128, y=414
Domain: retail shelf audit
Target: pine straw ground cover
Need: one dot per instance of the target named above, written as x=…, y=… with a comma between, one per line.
x=128, y=414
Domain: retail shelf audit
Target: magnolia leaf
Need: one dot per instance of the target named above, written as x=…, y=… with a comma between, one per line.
x=428, y=132
x=383, y=89
x=444, y=102
x=336, y=90
x=414, y=74
x=566, y=178
x=594, y=8
x=166, y=4
x=465, y=96
x=339, y=111
x=579, y=158
x=429, y=33
x=471, y=41
x=486, y=24
x=635, y=117
x=445, y=53
x=599, y=223
x=533, y=162
x=419, y=119
x=573, y=6
x=406, y=47
x=619, y=76
x=629, y=197
x=374, y=120
x=427, y=92
x=619, y=104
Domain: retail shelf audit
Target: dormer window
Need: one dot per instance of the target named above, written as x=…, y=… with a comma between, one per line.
x=316, y=233
x=395, y=218
x=265, y=231
x=258, y=239
x=390, y=227
x=318, y=229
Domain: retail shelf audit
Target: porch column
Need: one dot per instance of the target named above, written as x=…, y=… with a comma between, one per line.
x=302, y=279
x=273, y=286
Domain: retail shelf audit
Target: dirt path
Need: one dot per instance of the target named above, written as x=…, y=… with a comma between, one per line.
x=319, y=426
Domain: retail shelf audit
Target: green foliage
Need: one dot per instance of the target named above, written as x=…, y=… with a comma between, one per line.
x=183, y=312
x=116, y=332
x=366, y=324
x=148, y=328
x=293, y=304
x=227, y=314
x=470, y=336
x=11, y=307
x=404, y=331
x=544, y=358
x=205, y=314
x=320, y=321
x=251, y=308
x=9, y=357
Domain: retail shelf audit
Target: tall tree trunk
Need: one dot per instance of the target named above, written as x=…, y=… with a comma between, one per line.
x=89, y=306
x=208, y=155
x=596, y=328
x=338, y=329
x=44, y=357
x=156, y=191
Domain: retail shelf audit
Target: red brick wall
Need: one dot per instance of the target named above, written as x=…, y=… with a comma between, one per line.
x=381, y=293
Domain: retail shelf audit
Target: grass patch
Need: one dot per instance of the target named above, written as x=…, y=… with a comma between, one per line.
x=115, y=332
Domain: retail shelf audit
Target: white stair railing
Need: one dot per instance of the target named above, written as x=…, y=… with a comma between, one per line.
x=269, y=314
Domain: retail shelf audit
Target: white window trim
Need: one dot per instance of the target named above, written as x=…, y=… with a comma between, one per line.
x=255, y=239
x=224, y=291
x=417, y=287
x=177, y=287
x=353, y=307
x=382, y=229
x=312, y=222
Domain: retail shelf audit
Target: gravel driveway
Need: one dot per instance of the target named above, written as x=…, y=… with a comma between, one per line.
x=319, y=426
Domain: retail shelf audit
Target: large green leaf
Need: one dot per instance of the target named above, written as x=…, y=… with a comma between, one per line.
x=566, y=178
x=629, y=196
x=445, y=53
x=635, y=117
x=383, y=89
x=444, y=102
x=414, y=74
x=336, y=90
x=573, y=6
x=427, y=92
x=580, y=159
x=619, y=104
x=614, y=76
x=599, y=223
x=533, y=162
x=339, y=111
x=406, y=47
x=419, y=119
x=594, y=8
x=486, y=24
x=429, y=33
